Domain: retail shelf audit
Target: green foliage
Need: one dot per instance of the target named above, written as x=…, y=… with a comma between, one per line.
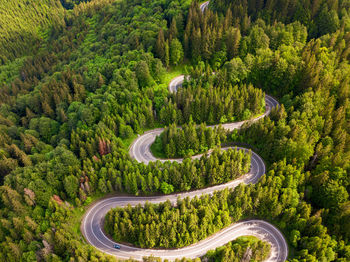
x=321, y=17
x=157, y=148
x=192, y=220
x=10, y=71
x=166, y=188
x=189, y=140
x=239, y=249
x=216, y=168
x=167, y=226
x=176, y=52
x=71, y=185
x=212, y=99
x=20, y=23
x=92, y=83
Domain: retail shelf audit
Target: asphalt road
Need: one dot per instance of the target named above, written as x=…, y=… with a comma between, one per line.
x=204, y=6
x=141, y=147
x=92, y=223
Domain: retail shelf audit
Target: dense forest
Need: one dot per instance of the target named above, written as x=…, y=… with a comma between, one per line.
x=20, y=21
x=241, y=249
x=211, y=99
x=187, y=141
x=320, y=16
x=80, y=79
x=177, y=226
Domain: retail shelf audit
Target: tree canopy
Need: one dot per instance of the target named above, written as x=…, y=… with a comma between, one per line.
x=80, y=79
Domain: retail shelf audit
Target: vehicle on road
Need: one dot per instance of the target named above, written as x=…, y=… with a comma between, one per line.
x=116, y=246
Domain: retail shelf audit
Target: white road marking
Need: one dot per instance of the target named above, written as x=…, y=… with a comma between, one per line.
x=226, y=235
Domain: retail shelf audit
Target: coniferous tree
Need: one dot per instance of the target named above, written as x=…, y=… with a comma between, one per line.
x=176, y=52
x=160, y=45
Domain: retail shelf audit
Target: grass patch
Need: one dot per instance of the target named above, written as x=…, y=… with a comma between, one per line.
x=172, y=73
x=78, y=213
x=245, y=239
x=157, y=148
x=75, y=219
x=128, y=141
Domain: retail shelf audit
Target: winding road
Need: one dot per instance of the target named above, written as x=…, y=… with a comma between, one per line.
x=92, y=223
x=141, y=147
x=204, y=6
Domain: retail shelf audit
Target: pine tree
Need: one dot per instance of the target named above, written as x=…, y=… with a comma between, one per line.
x=47, y=109
x=172, y=30
x=176, y=52
x=196, y=45
x=167, y=54
x=160, y=46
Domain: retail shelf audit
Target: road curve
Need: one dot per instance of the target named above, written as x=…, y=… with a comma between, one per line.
x=92, y=223
x=92, y=230
x=140, y=149
x=204, y=6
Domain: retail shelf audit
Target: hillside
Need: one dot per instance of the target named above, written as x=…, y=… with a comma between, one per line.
x=84, y=91
x=23, y=23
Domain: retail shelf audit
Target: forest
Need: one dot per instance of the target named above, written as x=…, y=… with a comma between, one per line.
x=20, y=26
x=169, y=226
x=240, y=249
x=211, y=99
x=187, y=141
x=81, y=79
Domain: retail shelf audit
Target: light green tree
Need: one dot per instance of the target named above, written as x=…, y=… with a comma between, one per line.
x=176, y=52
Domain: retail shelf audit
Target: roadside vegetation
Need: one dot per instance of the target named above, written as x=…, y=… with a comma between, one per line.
x=168, y=226
x=211, y=99
x=247, y=248
x=96, y=77
x=187, y=141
